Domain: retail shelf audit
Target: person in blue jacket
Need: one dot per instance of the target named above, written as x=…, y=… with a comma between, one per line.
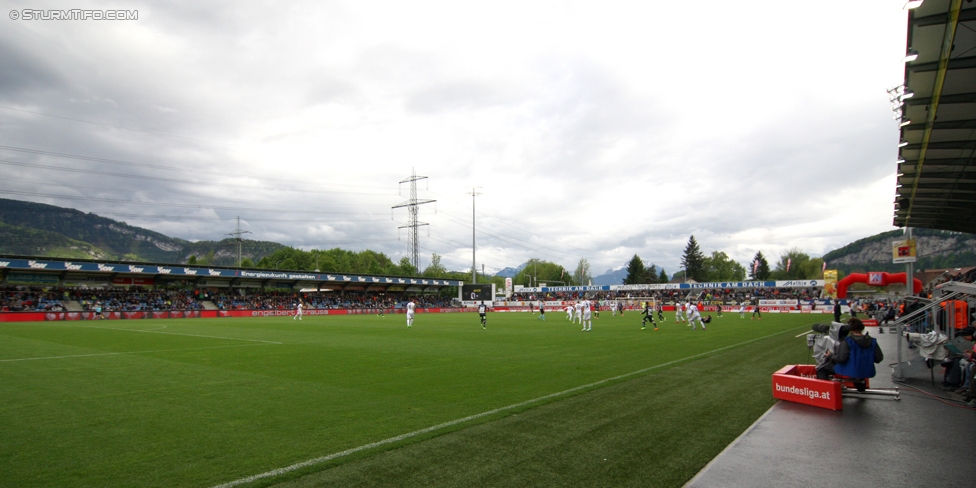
x=857, y=354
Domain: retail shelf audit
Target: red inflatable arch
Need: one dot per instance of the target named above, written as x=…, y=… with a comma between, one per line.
x=874, y=278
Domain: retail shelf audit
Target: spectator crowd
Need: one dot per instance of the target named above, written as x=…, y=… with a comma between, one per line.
x=142, y=299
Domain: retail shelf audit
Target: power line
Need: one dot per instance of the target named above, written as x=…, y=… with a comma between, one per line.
x=115, y=189
x=158, y=166
x=156, y=178
x=180, y=205
x=118, y=126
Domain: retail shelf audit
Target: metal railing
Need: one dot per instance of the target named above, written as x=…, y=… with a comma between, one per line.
x=931, y=316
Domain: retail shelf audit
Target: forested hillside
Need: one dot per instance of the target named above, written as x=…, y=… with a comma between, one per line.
x=36, y=229
x=936, y=249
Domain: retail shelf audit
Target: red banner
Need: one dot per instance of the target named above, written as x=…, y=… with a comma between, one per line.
x=22, y=317
x=799, y=384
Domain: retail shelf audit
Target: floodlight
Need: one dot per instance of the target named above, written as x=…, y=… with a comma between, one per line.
x=911, y=56
x=907, y=94
x=913, y=4
x=900, y=161
x=905, y=122
x=902, y=143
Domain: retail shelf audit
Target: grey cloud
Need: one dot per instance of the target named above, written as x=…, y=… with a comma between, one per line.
x=23, y=74
x=462, y=95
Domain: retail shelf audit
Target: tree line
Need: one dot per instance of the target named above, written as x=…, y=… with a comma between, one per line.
x=792, y=265
x=696, y=265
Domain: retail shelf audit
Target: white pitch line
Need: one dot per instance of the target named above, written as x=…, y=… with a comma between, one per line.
x=122, y=353
x=319, y=460
x=154, y=331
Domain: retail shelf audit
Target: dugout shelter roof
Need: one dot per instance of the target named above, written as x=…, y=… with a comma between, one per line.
x=936, y=186
x=52, y=271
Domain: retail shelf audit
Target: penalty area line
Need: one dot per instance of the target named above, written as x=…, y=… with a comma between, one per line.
x=157, y=331
x=391, y=440
x=123, y=353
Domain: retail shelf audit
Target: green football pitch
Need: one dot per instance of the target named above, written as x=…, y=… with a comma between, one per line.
x=365, y=401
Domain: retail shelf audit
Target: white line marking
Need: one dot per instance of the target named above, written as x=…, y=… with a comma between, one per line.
x=319, y=460
x=122, y=353
x=729, y=447
x=154, y=331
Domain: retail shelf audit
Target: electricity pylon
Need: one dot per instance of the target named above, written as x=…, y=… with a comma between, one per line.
x=237, y=234
x=412, y=224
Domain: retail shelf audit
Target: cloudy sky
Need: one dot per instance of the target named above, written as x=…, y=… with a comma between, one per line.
x=594, y=130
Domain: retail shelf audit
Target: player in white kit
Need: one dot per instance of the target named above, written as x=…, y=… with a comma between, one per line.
x=694, y=315
x=678, y=315
x=569, y=312
x=579, y=312
x=410, y=309
x=587, y=315
x=298, y=311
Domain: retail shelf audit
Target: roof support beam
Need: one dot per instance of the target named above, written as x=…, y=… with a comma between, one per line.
x=950, y=34
x=957, y=63
x=938, y=19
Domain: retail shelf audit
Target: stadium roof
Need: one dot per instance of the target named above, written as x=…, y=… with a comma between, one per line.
x=41, y=270
x=936, y=186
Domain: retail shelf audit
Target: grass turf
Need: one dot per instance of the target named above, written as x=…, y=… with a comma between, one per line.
x=202, y=402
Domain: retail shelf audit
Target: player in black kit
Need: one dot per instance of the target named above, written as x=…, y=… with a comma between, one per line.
x=483, y=312
x=648, y=316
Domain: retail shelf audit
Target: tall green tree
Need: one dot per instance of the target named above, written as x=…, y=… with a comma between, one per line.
x=720, y=267
x=813, y=269
x=539, y=271
x=760, y=271
x=663, y=277
x=582, y=274
x=650, y=274
x=693, y=261
x=435, y=269
x=801, y=266
x=635, y=271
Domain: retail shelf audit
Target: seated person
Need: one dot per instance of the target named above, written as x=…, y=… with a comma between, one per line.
x=856, y=355
x=955, y=360
x=824, y=344
x=968, y=365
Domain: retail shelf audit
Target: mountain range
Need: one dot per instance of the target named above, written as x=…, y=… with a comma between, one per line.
x=36, y=229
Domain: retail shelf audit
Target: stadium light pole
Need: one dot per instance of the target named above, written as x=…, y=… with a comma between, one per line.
x=474, y=266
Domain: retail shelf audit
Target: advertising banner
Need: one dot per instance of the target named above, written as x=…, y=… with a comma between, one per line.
x=32, y=279
x=903, y=251
x=210, y=314
x=35, y=265
x=799, y=384
x=830, y=282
